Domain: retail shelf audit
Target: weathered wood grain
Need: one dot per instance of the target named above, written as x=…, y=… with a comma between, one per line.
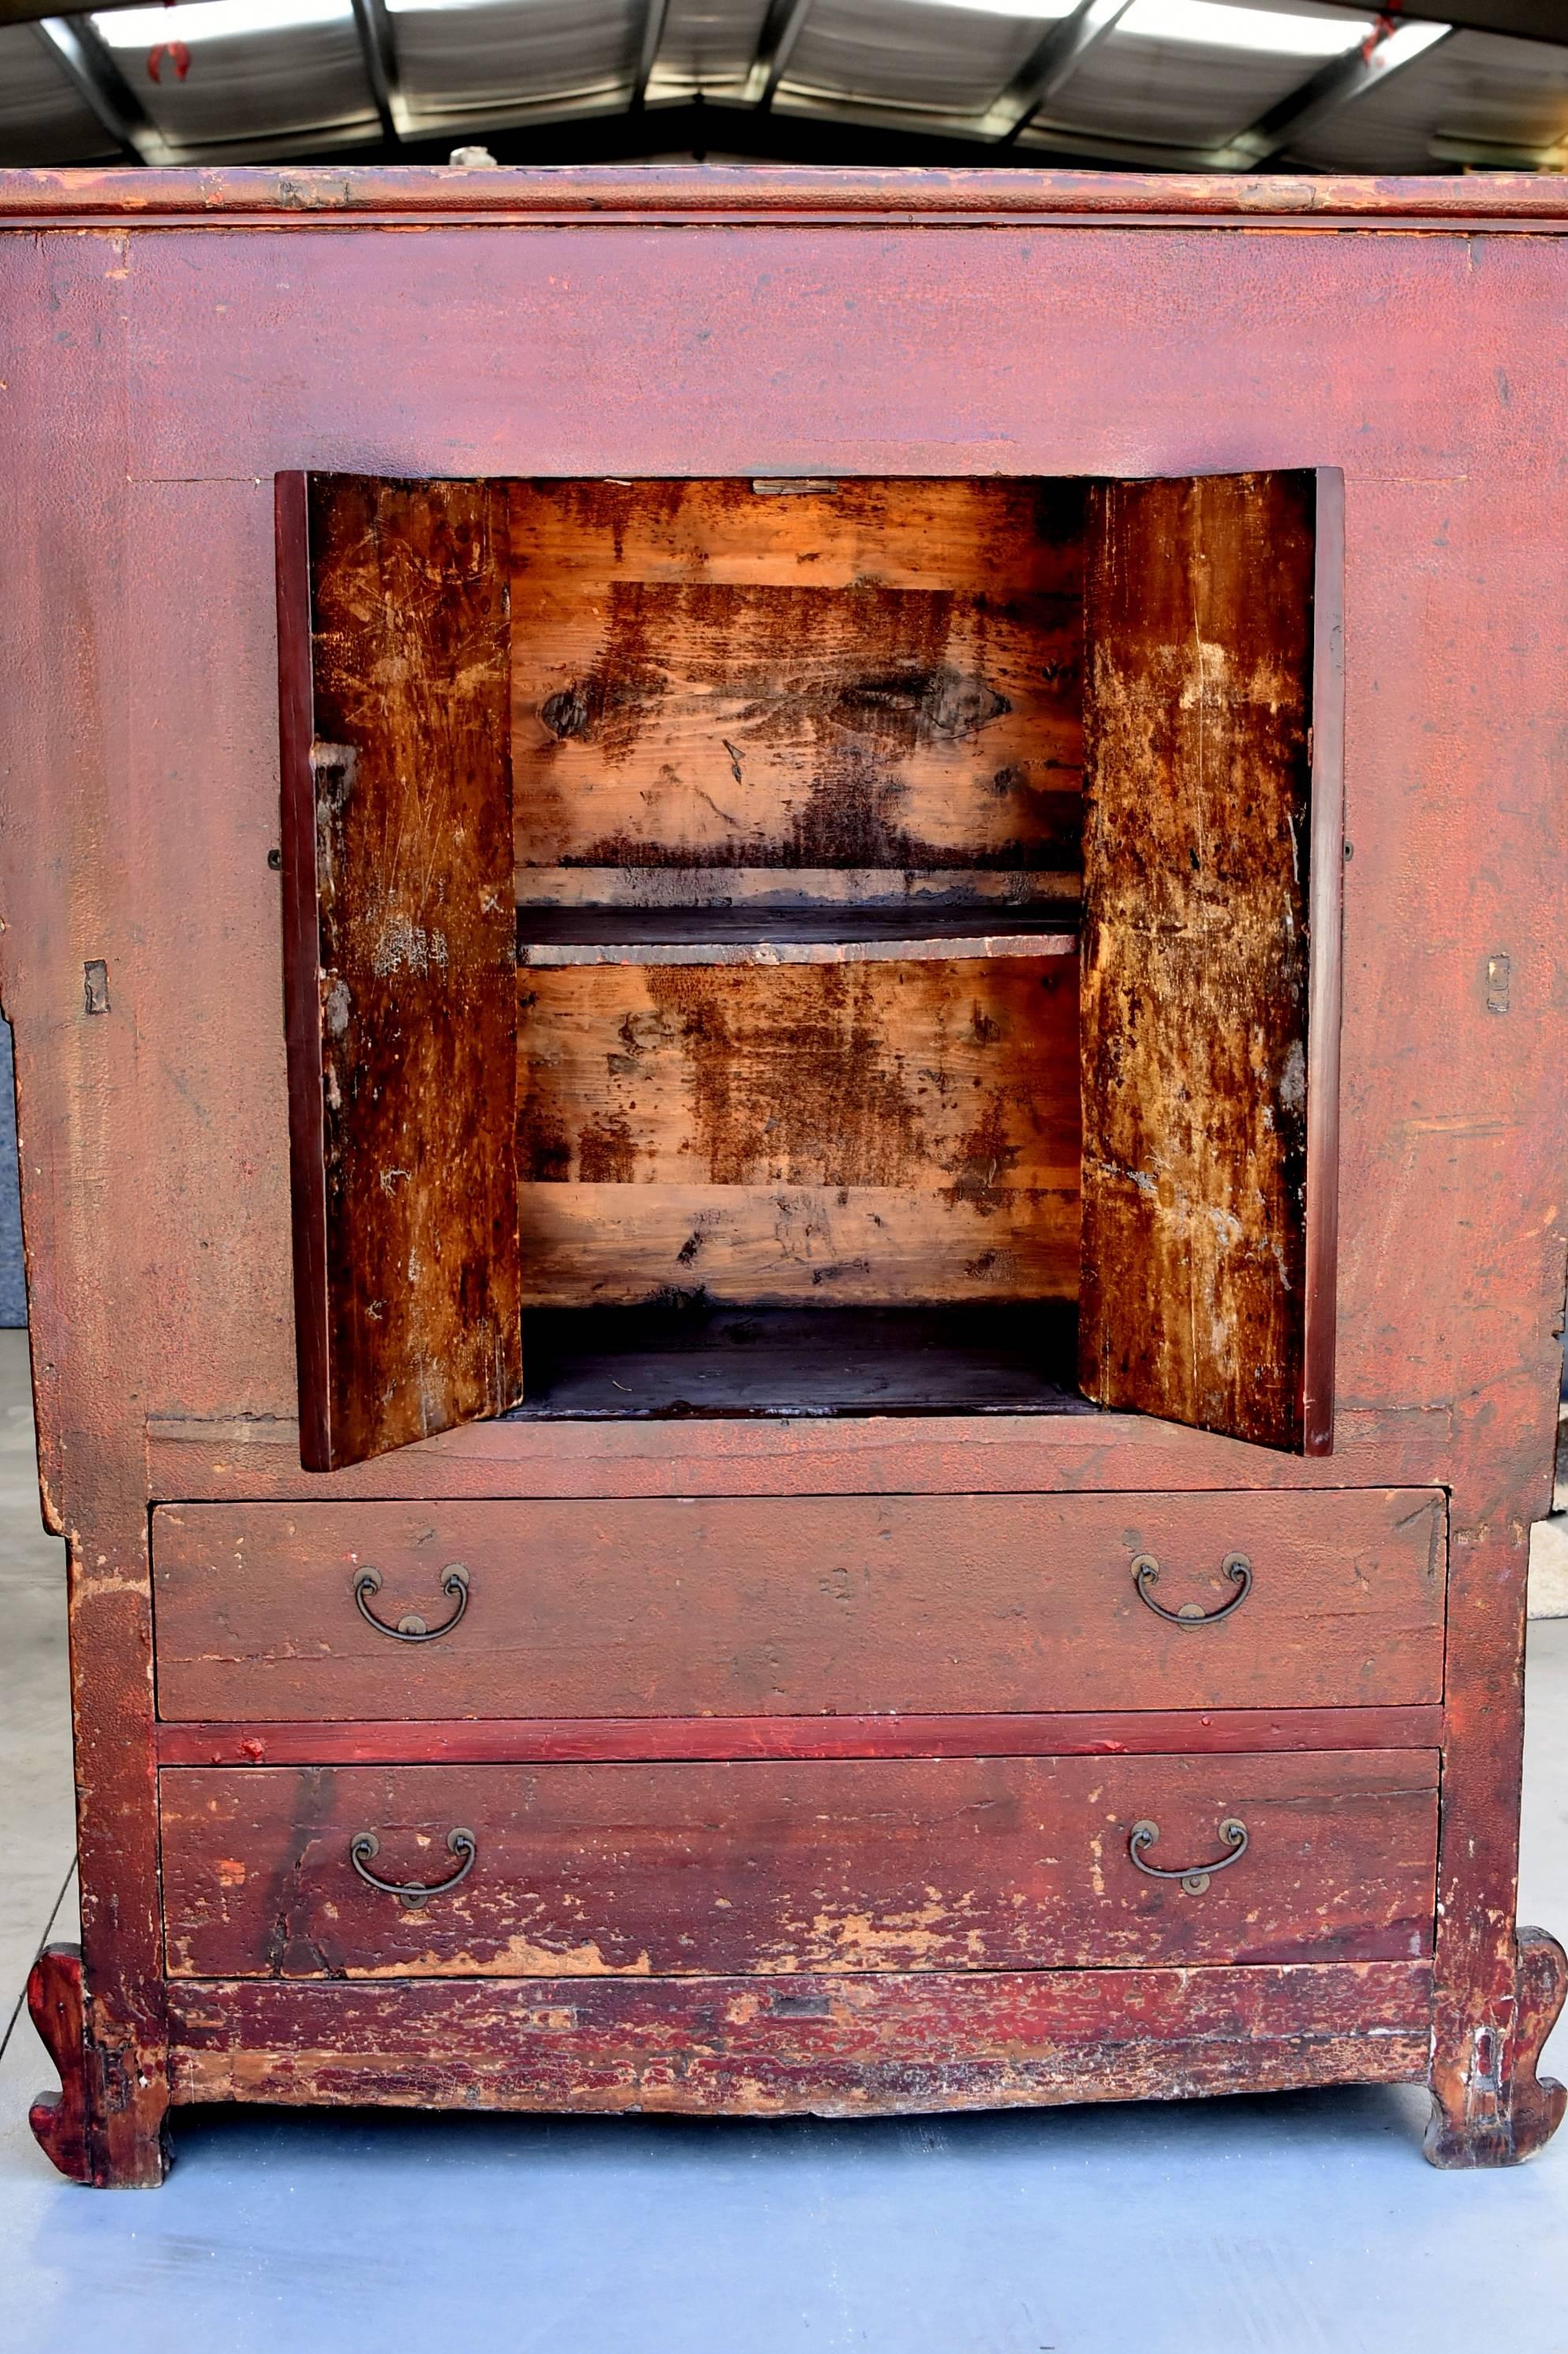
x=958, y=1073
x=885, y=676
x=610, y=1244
x=894, y=1131
x=1501, y=2110
x=816, y=2045
x=786, y=1605
x=958, y=533
x=886, y=1131
x=62, y=2122
x=400, y=957
x=1325, y=945
x=778, y=1869
x=1198, y=705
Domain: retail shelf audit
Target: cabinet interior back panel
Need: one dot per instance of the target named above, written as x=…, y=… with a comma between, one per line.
x=882, y=675
x=725, y=1122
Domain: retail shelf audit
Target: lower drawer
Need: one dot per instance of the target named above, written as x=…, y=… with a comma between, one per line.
x=766, y=1867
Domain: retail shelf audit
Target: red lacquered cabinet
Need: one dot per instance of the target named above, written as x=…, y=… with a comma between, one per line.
x=788, y=962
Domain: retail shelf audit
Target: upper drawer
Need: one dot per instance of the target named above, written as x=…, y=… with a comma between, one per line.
x=790, y=1605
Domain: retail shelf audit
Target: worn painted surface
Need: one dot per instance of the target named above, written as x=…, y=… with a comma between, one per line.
x=612, y=1739
x=399, y=948
x=1198, y=709
x=791, y=1605
x=1034, y=325
x=759, y=192
x=833, y=2046
x=778, y=1868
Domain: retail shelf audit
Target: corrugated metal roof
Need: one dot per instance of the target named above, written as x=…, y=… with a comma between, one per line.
x=1218, y=83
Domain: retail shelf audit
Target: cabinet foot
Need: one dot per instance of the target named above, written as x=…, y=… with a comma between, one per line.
x=73, y=2126
x=1501, y=2112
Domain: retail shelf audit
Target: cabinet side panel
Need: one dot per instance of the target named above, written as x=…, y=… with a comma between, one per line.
x=1199, y=604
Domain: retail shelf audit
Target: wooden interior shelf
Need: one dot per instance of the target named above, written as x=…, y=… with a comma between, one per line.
x=743, y=936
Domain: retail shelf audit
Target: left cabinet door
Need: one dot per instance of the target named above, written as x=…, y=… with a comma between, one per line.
x=399, y=957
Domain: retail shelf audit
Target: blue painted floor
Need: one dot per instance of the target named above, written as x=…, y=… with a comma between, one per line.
x=1304, y=2224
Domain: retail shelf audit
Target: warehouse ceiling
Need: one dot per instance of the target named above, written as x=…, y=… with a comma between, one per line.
x=1220, y=85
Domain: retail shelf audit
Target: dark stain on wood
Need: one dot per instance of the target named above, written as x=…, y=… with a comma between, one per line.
x=823, y=1099
x=887, y=677
x=604, y=1247
x=770, y=1131
x=959, y=1074
x=1199, y=632
x=400, y=969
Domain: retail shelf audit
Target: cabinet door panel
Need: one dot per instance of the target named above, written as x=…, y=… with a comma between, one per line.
x=399, y=957
x=1210, y=993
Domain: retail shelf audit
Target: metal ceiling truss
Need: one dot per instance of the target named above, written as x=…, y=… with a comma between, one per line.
x=1050, y=66
x=781, y=28
x=653, y=16
x=89, y=65
x=379, y=52
x=1339, y=84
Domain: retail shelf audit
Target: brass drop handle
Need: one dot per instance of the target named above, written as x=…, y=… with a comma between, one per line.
x=364, y=1846
x=412, y=1628
x=1235, y=1567
x=1197, y=1878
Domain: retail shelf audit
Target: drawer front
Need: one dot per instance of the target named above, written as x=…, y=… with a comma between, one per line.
x=765, y=1867
x=792, y=1606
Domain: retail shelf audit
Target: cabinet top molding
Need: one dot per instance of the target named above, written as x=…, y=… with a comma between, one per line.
x=245, y=197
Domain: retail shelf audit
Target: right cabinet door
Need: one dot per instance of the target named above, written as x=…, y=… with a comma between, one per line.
x=1210, y=960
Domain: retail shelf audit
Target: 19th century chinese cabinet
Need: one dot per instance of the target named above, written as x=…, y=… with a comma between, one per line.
x=789, y=965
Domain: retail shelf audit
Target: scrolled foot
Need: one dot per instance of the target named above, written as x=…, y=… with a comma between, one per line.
x=60, y=2119
x=1495, y=2111
x=105, y=2125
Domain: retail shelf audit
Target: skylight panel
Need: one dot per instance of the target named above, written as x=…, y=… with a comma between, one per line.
x=1212, y=24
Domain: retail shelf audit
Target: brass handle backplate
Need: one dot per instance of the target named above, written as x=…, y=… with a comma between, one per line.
x=1235, y=1567
x=1196, y=1879
x=412, y=1628
x=364, y=1846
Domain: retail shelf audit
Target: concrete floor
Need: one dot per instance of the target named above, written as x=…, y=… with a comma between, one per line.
x=1304, y=2224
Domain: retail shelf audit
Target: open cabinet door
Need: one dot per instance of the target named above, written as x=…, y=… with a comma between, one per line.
x=399, y=957
x=1211, y=960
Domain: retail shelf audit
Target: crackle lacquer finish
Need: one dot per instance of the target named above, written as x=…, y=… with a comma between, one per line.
x=177, y=341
